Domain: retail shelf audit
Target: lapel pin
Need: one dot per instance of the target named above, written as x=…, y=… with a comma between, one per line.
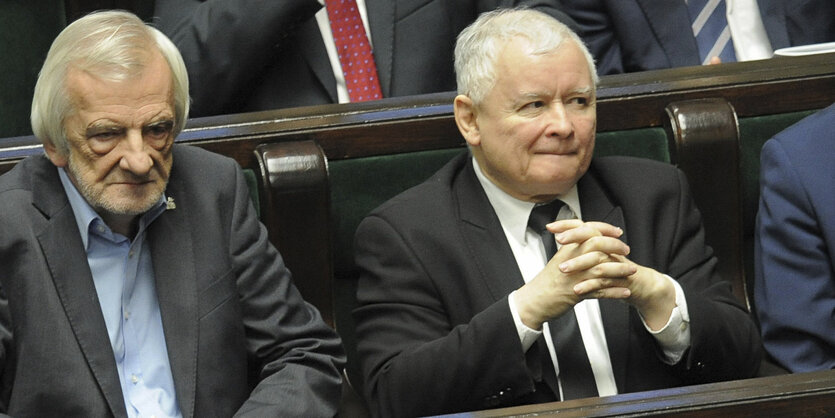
x=169, y=204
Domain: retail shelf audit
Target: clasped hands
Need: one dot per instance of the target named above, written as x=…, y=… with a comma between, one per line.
x=592, y=263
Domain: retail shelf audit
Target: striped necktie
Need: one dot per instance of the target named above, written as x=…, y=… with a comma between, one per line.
x=710, y=27
x=354, y=50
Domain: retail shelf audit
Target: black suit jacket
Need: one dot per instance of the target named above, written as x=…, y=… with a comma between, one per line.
x=637, y=35
x=238, y=333
x=245, y=57
x=434, y=330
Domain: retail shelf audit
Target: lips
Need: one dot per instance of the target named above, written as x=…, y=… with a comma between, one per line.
x=557, y=152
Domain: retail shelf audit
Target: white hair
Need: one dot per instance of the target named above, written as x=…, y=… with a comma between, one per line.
x=111, y=45
x=479, y=45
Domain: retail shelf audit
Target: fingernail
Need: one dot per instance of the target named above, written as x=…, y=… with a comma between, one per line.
x=564, y=267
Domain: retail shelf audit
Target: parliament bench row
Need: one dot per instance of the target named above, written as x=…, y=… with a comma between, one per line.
x=315, y=172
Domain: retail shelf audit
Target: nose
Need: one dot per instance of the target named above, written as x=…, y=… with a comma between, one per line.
x=559, y=122
x=135, y=158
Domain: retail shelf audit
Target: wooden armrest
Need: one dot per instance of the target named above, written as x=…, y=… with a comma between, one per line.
x=706, y=147
x=295, y=207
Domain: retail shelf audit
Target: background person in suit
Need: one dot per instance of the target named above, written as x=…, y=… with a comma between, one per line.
x=248, y=56
x=456, y=294
x=795, y=245
x=636, y=35
x=130, y=285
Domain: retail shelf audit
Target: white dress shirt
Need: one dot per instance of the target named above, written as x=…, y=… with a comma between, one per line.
x=747, y=30
x=123, y=276
x=529, y=252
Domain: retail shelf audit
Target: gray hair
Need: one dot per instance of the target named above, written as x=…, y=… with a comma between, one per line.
x=479, y=45
x=107, y=45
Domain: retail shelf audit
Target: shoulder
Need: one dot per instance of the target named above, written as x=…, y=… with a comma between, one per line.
x=806, y=148
x=195, y=158
x=194, y=165
x=21, y=175
x=209, y=180
x=621, y=169
x=431, y=196
x=813, y=133
x=635, y=183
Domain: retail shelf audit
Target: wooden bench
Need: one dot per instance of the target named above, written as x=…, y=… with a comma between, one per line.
x=320, y=169
x=798, y=395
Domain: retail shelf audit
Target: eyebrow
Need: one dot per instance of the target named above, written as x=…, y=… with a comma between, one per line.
x=98, y=128
x=111, y=127
x=160, y=122
x=583, y=90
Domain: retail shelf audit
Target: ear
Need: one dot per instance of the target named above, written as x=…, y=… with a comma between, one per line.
x=58, y=158
x=466, y=117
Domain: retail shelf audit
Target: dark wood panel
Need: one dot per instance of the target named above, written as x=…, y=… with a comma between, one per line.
x=793, y=395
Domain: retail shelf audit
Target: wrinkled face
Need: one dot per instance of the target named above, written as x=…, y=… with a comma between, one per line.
x=120, y=138
x=535, y=128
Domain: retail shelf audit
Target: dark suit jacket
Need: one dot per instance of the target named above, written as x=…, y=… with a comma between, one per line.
x=434, y=330
x=242, y=57
x=795, y=245
x=238, y=333
x=636, y=35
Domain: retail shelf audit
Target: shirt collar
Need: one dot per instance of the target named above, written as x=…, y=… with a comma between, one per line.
x=513, y=213
x=86, y=217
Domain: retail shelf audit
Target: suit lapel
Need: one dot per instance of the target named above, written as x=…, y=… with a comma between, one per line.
x=678, y=42
x=317, y=57
x=596, y=206
x=492, y=255
x=773, y=14
x=170, y=241
x=65, y=255
x=484, y=236
x=381, y=20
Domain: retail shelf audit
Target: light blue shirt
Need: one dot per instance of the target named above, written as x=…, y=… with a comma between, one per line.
x=123, y=274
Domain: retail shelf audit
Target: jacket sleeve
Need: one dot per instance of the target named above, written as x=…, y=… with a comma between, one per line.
x=226, y=43
x=299, y=357
x=794, y=288
x=725, y=342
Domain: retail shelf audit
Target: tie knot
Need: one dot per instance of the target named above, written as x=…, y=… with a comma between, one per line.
x=544, y=214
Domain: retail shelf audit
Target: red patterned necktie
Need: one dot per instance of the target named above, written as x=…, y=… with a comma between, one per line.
x=354, y=50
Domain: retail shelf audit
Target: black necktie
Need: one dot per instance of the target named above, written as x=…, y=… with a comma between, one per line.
x=575, y=375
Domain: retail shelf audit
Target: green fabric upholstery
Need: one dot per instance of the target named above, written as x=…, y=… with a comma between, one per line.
x=27, y=29
x=649, y=143
x=753, y=132
x=252, y=182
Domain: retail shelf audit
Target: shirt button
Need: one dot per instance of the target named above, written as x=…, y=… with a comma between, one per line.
x=127, y=315
x=101, y=229
x=134, y=379
x=683, y=326
x=130, y=254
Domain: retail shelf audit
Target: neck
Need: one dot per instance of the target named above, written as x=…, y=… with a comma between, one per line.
x=122, y=224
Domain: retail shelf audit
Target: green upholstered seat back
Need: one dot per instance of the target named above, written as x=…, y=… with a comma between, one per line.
x=753, y=132
x=252, y=182
x=27, y=29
